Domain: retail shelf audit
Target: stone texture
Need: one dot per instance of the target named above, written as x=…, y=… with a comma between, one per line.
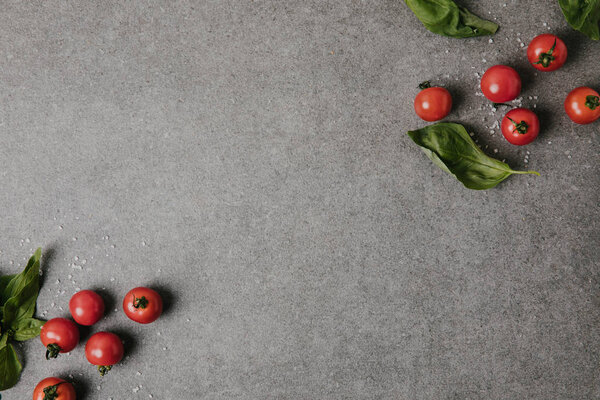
x=249, y=160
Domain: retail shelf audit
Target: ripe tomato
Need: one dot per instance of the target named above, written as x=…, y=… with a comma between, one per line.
x=59, y=335
x=104, y=349
x=432, y=103
x=86, y=307
x=142, y=305
x=520, y=126
x=583, y=105
x=501, y=83
x=547, y=52
x=53, y=389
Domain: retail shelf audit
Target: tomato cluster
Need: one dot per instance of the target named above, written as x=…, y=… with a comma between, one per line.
x=502, y=83
x=103, y=349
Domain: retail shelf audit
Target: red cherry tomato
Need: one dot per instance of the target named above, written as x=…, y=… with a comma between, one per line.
x=501, y=83
x=54, y=389
x=547, y=52
x=142, y=305
x=104, y=349
x=432, y=103
x=59, y=335
x=583, y=105
x=520, y=126
x=86, y=307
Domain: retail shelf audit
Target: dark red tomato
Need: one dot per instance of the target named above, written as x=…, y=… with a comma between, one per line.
x=520, y=126
x=86, y=307
x=501, y=83
x=547, y=52
x=54, y=389
x=59, y=335
x=142, y=305
x=583, y=105
x=104, y=349
x=432, y=103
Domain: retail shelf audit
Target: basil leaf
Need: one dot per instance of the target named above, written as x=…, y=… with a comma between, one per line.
x=19, y=281
x=583, y=15
x=27, y=328
x=4, y=280
x=10, y=367
x=451, y=148
x=23, y=289
x=446, y=18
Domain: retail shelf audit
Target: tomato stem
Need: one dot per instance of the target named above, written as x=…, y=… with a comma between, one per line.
x=520, y=127
x=140, y=302
x=51, y=392
x=424, y=85
x=592, y=102
x=52, y=351
x=103, y=369
x=546, y=58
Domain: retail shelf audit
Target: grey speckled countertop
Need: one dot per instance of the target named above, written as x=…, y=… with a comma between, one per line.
x=249, y=160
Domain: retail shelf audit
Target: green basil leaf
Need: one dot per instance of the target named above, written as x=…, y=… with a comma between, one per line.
x=19, y=281
x=27, y=328
x=446, y=18
x=451, y=148
x=4, y=280
x=10, y=367
x=583, y=15
x=24, y=289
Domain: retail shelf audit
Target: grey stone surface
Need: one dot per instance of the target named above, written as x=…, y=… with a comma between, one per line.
x=249, y=160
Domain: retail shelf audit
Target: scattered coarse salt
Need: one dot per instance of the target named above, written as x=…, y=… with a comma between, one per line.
x=53, y=304
x=530, y=98
x=138, y=373
x=164, y=348
x=491, y=41
x=77, y=289
x=76, y=258
x=136, y=389
x=57, y=281
x=98, y=387
x=143, y=243
x=484, y=60
x=69, y=276
x=188, y=320
x=549, y=142
x=545, y=24
x=522, y=44
x=112, y=278
x=60, y=227
x=74, y=239
x=535, y=97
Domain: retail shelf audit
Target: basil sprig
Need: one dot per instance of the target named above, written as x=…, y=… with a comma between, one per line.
x=583, y=15
x=18, y=295
x=446, y=18
x=451, y=148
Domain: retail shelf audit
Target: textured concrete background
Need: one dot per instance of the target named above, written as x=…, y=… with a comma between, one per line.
x=249, y=160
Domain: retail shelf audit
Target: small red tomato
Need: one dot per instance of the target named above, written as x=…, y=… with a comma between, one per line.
x=59, y=335
x=583, y=105
x=520, y=126
x=86, y=307
x=54, y=389
x=501, y=83
x=547, y=52
x=142, y=305
x=432, y=103
x=104, y=349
